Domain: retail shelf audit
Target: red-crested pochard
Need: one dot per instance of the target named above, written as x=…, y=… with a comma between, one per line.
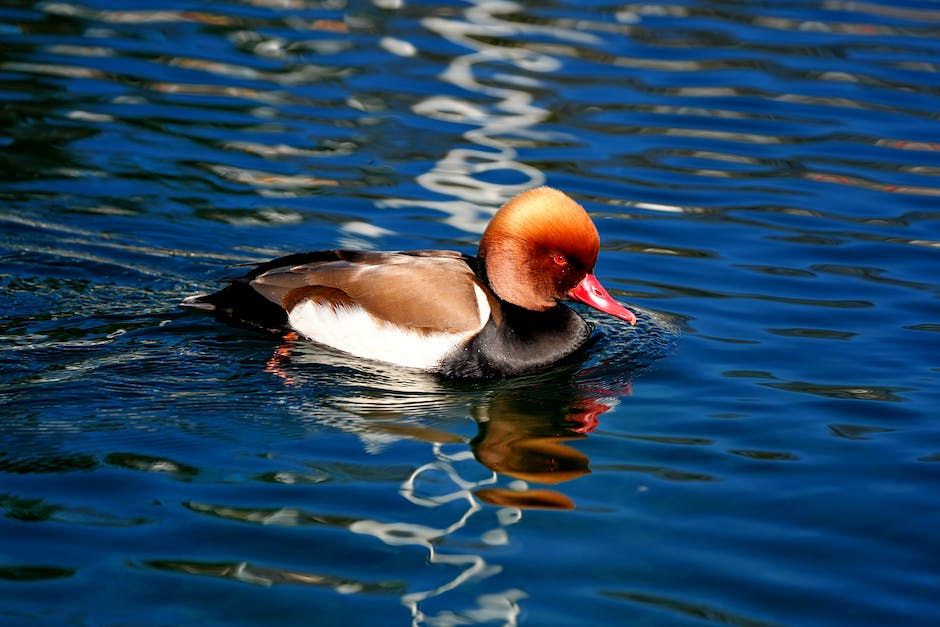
x=496, y=314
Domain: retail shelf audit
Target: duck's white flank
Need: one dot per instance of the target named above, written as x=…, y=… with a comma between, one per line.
x=357, y=332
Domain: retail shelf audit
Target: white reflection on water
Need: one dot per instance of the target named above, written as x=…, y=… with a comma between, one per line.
x=500, y=606
x=506, y=116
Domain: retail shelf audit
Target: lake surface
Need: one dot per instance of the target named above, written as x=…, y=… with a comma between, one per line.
x=763, y=449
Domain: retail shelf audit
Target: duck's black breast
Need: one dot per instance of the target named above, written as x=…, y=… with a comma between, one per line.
x=517, y=341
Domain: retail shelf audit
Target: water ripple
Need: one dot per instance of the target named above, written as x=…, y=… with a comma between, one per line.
x=764, y=177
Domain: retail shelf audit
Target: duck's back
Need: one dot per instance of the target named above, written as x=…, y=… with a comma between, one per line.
x=410, y=308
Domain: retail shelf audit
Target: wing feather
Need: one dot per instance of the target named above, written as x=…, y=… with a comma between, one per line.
x=424, y=290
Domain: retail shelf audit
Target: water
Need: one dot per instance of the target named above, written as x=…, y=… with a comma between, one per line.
x=762, y=450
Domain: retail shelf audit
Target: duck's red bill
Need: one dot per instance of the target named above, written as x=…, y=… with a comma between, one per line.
x=590, y=292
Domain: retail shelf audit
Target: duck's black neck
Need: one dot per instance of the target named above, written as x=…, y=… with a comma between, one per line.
x=516, y=341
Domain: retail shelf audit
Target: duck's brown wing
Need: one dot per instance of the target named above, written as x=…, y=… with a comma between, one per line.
x=420, y=290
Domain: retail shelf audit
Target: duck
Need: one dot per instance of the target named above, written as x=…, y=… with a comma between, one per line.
x=497, y=314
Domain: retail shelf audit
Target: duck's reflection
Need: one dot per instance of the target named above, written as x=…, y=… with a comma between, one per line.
x=527, y=437
x=525, y=426
x=524, y=447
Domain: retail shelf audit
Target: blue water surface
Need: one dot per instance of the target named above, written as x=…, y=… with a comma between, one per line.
x=762, y=449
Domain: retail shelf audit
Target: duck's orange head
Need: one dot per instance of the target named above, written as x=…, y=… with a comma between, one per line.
x=540, y=248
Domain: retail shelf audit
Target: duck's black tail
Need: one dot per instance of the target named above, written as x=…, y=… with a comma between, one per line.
x=241, y=304
x=238, y=303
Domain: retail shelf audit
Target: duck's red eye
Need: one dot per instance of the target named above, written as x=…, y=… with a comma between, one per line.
x=560, y=260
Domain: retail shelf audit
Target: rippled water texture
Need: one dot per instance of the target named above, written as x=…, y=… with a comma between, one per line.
x=761, y=450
